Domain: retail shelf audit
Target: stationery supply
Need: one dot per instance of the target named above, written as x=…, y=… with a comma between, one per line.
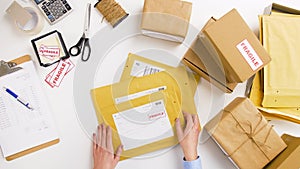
x=137, y=66
x=275, y=90
x=83, y=45
x=166, y=19
x=26, y=19
x=141, y=114
x=289, y=158
x=111, y=11
x=233, y=49
x=22, y=130
x=50, y=48
x=17, y=97
x=8, y=67
x=53, y=10
x=56, y=76
x=244, y=135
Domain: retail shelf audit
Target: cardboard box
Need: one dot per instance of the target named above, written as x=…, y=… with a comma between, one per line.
x=207, y=70
x=244, y=135
x=199, y=59
x=166, y=19
x=281, y=9
x=289, y=158
x=235, y=45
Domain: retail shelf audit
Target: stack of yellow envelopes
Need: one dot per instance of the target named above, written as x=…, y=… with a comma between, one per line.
x=276, y=89
x=142, y=108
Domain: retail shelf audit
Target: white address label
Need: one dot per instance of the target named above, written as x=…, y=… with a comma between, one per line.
x=249, y=54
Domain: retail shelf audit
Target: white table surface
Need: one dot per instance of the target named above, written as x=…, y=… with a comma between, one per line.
x=74, y=149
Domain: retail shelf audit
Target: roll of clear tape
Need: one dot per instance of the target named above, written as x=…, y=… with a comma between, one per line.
x=34, y=25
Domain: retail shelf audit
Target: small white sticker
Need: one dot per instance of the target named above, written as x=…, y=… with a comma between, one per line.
x=140, y=69
x=249, y=54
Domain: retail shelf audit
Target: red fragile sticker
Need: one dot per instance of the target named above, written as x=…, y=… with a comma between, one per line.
x=156, y=115
x=49, y=52
x=55, y=77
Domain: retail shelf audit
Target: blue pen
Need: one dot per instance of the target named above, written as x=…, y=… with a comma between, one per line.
x=13, y=94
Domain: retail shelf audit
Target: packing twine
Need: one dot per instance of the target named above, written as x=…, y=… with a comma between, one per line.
x=252, y=133
x=111, y=11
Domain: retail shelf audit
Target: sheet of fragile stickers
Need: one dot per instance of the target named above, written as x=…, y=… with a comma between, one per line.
x=56, y=76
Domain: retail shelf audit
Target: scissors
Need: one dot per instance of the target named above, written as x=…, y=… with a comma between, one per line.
x=83, y=45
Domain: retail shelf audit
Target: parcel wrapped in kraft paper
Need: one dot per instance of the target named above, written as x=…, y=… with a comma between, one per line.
x=244, y=135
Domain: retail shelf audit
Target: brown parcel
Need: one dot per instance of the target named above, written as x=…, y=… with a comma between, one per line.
x=199, y=60
x=289, y=158
x=192, y=60
x=239, y=50
x=245, y=135
x=169, y=17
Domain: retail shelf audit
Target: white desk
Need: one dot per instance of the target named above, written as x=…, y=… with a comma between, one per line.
x=74, y=149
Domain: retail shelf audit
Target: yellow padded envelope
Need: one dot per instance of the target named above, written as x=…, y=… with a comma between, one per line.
x=256, y=96
x=186, y=80
x=119, y=97
x=281, y=39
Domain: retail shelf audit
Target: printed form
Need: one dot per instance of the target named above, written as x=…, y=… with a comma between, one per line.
x=143, y=125
x=20, y=127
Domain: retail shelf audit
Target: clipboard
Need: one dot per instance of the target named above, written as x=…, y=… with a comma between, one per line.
x=11, y=67
x=105, y=103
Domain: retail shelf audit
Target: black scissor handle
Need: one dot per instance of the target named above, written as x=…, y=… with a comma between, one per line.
x=76, y=49
x=86, y=50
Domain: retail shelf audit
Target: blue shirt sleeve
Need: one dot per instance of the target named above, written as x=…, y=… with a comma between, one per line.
x=196, y=164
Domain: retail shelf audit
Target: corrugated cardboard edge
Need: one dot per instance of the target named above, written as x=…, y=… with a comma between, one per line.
x=18, y=61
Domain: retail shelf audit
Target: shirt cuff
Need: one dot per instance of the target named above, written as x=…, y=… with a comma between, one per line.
x=195, y=164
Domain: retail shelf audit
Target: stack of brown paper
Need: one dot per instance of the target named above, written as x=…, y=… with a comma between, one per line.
x=245, y=135
x=166, y=19
x=232, y=49
x=289, y=158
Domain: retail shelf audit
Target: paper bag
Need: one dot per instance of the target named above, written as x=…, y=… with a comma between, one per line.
x=244, y=135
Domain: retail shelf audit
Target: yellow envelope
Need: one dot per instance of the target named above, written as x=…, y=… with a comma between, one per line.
x=113, y=99
x=187, y=81
x=256, y=96
x=281, y=76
